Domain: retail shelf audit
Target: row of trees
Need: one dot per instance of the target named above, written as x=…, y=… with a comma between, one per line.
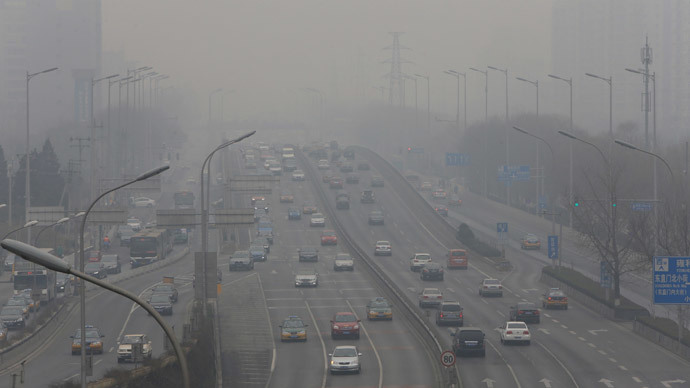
x=47, y=183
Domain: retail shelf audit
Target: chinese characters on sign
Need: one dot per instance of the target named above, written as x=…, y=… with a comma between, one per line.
x=671, y=280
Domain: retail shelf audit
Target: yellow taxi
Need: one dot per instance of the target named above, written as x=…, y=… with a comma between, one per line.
x=530, y=241
x=94, y=341
x=293, y=329
x=554, y=298
x=3, y=332
x=379, y=308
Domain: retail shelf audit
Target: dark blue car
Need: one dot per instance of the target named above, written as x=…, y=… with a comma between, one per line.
x=294, y=214
x=257, y=253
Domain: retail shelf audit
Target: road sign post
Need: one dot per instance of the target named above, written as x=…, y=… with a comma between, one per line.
x=448, y=358
x=502, y=231
x=553, y=248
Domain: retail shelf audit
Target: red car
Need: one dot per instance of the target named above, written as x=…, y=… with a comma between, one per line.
x=328, y=237
x=345, y=324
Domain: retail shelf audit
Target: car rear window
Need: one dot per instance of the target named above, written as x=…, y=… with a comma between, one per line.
x=517, y=326
x=451, y=307
x=491, y=281
x=472, y=335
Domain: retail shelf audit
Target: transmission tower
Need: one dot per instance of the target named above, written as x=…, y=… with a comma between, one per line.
x=395, y=88
x=646, y=58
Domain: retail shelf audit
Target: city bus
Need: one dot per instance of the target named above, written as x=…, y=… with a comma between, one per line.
x=184, y=200
x=148, y=246
x=29, y=276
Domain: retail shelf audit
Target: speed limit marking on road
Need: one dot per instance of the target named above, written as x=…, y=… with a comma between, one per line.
x=448, y=358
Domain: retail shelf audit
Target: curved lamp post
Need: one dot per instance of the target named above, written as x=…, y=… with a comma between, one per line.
x=49, y=261
x=204, y=213
x=82, y=293
x=27, y=225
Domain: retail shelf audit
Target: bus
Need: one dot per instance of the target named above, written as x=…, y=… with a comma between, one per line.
x=29, y=276
x=148, y=246
x=184, y=200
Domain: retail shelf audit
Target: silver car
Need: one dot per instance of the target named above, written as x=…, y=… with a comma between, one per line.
x=307, y=278
x=491, y=287
x=345, y=359
x=430, y=297
x=343, y=262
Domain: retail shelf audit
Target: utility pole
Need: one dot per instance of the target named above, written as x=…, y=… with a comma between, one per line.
x=646, y=57
x=395, y=76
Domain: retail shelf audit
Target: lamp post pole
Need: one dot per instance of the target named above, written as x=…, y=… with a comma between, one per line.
x=539, y=191
x=82, y=286
x=569, y=81
x=205, y=206
x=27, y=225
x=27, y=193
x=428, y=102
x=505, y=72
x=553, y=210
x=486, y=131
x=610, y=82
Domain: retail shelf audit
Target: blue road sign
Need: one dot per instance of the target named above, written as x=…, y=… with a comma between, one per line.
x=553, y=247
x=417, y=150
x=641, y=206
x=513, y=173
x=542, y=202
x=604, y=275
x=502, y=227
x=671, y=280
x=457, y=159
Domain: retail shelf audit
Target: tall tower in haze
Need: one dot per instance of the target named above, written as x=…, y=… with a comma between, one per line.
x=396, y=86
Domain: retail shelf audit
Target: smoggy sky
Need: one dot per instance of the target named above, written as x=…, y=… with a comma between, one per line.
x=266, y=51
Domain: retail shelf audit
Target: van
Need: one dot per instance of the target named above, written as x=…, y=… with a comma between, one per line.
x=457, y=259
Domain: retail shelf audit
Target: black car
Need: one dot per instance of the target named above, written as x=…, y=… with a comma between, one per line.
x=62, y=282
x=377, y=181
x=12, y=317
x=308, y=254
x=111, y=263
x=166, y=288
x=469, y=341
x=96, y=270
x=431, y=271
x=376, y=217
x=161, y=303
x=524, y=312
x=367, y=197
x=257, y=252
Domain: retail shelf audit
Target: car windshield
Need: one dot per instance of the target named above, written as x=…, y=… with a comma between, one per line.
x=517, y=325
x=343, y=256
x=160, y=298
x=329, y=234
x=526, y=306
x=378, y=304
x=431, y=291
x=345, y=318
x=16, y=302
x=293, y=324
x=376, y=213
x=491, y=281
x=556, y=293
x=382, y=243
x=133, y=339
x=345, y=352
x=306, y=273
x=451, y=307
x=240, y=254
x=317, y=215
x=11, y=310
x=256, y=248
x=308, y=250
x=163, y=287
x=423, y=257
x=471, y=335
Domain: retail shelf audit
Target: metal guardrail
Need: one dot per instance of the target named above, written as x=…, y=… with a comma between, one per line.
x=427, y=335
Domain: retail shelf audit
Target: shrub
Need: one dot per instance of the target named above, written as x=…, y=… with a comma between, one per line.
x=467, y=237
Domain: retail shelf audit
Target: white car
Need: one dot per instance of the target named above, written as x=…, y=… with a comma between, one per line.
x=323, y=164
x=317, y=219
x=124, y=350
x=144, y=202
x=383, y=248
x=307, y=278
x=491, y=287
x=514, y=332
x=345, y=359
x=430, y=297
x=418, y=261
x=298, y=175
x=134, y=223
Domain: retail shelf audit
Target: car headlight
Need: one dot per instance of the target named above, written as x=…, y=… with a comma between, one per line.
x=356, y=327
x=336, y=327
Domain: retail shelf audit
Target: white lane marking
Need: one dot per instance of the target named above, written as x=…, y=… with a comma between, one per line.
x=622, y=367
x=560, y=363
x=572, y=332
x=594, y=332
x=485, y=302
x=378, y=358
x=581, y=338
x=510, y=368
x=637, y=379
x=591, y=345
x=549, y=316
x=111, y=349
x=273, y=340
x=131, y=311
x=544, y=331
x=613, y=360
x=323, y=345
x=450, y=289
x=564, y=326
x=603, y=353
x=503, y=315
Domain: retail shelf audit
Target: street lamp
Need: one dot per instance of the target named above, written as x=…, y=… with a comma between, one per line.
x=553, y=228
x=58, y=222
x=455, y=74
x=428, y=103
x=27, y=194
x=204, y=200
x=505, y=72
x=27, y=225
x=569, y=81
x=82, y=294
x=486, y=132
x=610, y=82
x=536, y=85
x=51, y=262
